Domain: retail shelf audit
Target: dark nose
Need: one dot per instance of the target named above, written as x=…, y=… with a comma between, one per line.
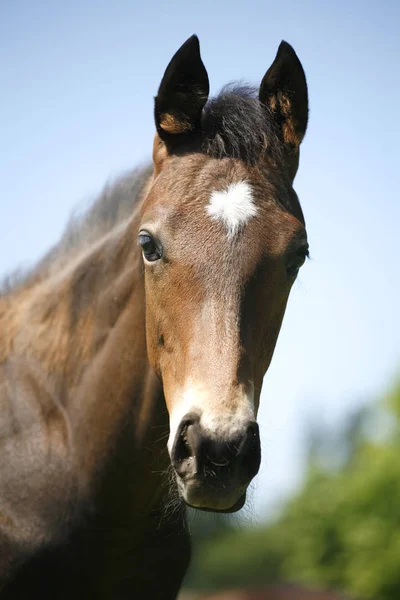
x=195, y=453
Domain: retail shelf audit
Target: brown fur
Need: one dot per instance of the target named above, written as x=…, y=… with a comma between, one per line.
x=95, y=344
x=190, y=282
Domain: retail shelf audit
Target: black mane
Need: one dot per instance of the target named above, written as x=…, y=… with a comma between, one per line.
x=236, y=124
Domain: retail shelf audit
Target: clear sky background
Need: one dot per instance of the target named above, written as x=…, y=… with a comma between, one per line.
x=77, y=84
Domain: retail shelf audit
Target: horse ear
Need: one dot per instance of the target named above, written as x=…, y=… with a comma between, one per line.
x=284, y=91
x=182, y=94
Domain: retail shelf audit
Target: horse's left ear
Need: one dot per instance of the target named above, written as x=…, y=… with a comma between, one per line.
x=284, y=91
x=182, y=94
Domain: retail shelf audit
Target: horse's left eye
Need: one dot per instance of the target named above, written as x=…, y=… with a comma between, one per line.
x=151, y=251
x=293, y=267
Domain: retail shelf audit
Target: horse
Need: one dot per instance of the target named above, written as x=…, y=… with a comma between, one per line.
x=132, y=355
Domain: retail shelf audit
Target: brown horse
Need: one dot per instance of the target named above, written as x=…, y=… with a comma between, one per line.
x=109, y=346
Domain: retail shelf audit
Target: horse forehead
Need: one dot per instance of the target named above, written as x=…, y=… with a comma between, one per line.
x=214, y=207
x=231, y=201
x=233, y=206
x=218, y=216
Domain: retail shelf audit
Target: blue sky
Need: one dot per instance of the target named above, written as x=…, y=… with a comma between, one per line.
x=77, y=83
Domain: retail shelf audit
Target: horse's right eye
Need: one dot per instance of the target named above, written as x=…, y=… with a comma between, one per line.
x=151, y=251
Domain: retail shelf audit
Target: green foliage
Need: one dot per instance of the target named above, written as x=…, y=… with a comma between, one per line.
x=341, y=531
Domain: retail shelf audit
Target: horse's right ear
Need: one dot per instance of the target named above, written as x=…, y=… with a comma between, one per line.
x=182, y=94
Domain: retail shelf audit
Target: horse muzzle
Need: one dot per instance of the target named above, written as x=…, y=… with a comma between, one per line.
x=213, y=472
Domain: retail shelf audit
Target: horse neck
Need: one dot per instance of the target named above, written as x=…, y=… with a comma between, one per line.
x=87, y=332
x=66, y=318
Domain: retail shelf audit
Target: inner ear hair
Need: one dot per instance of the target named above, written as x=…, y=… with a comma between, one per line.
x=182, y=94
x=284, y=91
x=173, y=124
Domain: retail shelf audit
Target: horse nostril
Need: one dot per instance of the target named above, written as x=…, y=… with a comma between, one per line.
x=185, y=445
x=249, y=451
x=185, y=448
x=251, y=439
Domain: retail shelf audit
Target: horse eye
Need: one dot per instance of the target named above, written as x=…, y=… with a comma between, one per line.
x=296, y=262
x=150, y=250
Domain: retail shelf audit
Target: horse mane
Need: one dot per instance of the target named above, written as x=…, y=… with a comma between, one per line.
x=114, y=205
x=236, y=124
